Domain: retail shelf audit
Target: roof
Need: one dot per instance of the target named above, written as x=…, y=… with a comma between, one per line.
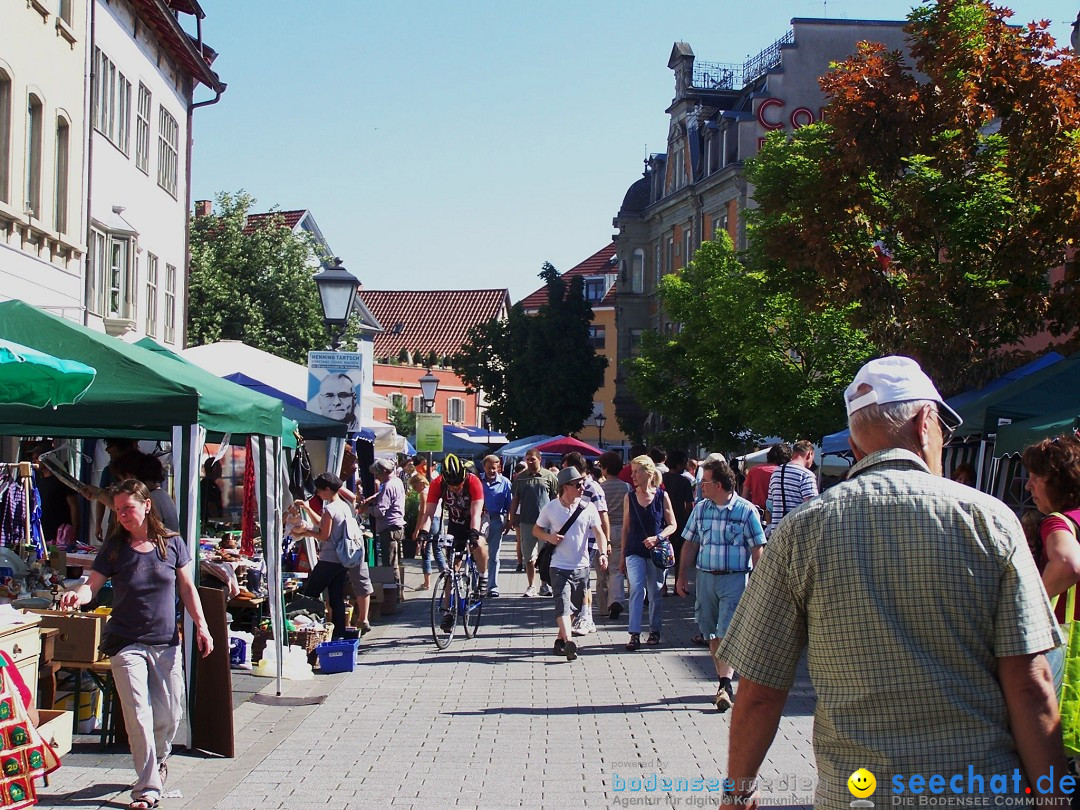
x=289, y=218
x=160, y=18
x=430, y=320
x=598, y=264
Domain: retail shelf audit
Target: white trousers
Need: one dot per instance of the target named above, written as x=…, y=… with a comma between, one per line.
x=150, y=686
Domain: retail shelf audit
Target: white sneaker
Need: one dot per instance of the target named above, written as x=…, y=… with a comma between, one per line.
x=530, y=592
x=577, y=628
x=587, y=625
x=545, y=590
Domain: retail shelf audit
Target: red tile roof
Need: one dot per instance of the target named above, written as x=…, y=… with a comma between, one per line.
x=289, y=219
x=596, y=265
x=430, y=320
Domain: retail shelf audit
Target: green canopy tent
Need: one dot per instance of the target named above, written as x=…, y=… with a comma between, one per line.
x=143, y=394
x=1015, y=437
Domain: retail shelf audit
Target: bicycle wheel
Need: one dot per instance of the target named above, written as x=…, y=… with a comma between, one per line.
x=474, y=604
x=444, y=611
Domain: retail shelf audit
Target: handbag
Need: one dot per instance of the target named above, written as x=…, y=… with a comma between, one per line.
x=350, y=544
x=1070, y=683
x=663, y=553
x=543, y=559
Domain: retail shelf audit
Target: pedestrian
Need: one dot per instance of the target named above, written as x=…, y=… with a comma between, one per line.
x=647, y=519
x=329, y=574
x=387, y=506
x=681, y=494
x=566, y=523
x=791, y=484
x=724, y=540
x=591, y=493
x=497, y=498
x=920, y=611
x=611, y=587
x=635, y=451
x=149, y=566
x=1053, y=467
x=518, y=469
x=964, y=474
x=756, y=485
x=532, y=489
x=430, y=551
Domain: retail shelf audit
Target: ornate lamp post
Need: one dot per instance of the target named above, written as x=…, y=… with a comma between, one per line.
x=429, y=386
x=337, y=294
x=600, y=420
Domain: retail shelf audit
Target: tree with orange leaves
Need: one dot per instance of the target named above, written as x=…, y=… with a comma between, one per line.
x=938, y=193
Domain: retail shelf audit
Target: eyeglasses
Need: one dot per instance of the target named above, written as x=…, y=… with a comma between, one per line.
x=947, y=430
x=577, y=484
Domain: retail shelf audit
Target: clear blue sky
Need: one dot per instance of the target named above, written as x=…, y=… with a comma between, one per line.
x=454, y=145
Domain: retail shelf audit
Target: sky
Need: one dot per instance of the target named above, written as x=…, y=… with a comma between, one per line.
x=460, y=144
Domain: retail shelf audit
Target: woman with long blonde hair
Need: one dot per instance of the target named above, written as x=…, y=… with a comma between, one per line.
x=647, y=519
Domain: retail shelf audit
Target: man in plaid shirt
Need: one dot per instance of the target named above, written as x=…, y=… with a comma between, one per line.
x=724, y=539
x=920, y=610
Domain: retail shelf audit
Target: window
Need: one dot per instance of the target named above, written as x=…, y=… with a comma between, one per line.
x=397, y=401
x=170, y=304
x=120, y=272
x=60, y=204
x=637, y=271
x=417, y=404
x=594, y=290
x=63, y=10
x=658, y=263
x=112, y=102
x=142, y=131
x=635, y=341
x=5, y=136
x=596, y=336
x=151, y=294
x=669, y=256
x=688, y=242
x=168, y=151
x=32, y=195
x=95, y=271
x=455, y=410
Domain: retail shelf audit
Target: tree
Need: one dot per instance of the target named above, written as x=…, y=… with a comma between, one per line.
x=538, y=372
x=403, y=420
x=747, y=361
x=255, y=287
x=931, y=204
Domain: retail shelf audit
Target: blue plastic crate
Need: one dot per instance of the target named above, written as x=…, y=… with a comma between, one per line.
x=337, y=656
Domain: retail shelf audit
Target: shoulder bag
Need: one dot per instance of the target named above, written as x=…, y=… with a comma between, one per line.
x=663, y=553
x=543, y=559
x=1070, y=682
x=349, y=544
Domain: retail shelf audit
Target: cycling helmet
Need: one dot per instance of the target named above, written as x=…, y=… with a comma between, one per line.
x=453, y=470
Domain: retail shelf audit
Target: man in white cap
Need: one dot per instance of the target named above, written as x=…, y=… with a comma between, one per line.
x=922, y=615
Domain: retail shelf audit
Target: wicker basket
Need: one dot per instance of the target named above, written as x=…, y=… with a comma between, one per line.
x=308, y=638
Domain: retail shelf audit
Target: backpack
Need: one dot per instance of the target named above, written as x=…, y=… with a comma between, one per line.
x=349, y=545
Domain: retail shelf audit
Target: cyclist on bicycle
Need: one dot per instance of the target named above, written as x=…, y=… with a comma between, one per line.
x=463, y=495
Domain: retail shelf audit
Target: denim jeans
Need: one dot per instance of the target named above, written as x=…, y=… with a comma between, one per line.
x=150, y=685
x=432, y=551
x=494, y=541
x=644, y=578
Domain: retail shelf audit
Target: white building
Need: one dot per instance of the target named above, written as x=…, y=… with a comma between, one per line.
x=145, y=68
x=43, y=52
x=96, y=105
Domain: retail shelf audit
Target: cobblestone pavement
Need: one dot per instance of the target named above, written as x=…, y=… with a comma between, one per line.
x=493, y=722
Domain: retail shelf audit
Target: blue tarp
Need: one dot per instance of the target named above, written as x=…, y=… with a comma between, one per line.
x=519, y=446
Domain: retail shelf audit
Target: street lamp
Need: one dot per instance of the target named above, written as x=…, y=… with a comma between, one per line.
x=600, y=420
x=429, y=386
x=337, y=294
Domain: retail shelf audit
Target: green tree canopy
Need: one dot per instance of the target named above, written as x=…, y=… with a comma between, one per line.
x=539, y=372
x=932, y=203
x=255, y=287
x=746, y=361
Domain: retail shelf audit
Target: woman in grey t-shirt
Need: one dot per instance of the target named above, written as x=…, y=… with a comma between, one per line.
x=148, y=565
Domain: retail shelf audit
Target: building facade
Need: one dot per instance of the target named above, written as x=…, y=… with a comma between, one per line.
x=421, y=330
x=719, y=117
x=600, y=274
x=43, y=94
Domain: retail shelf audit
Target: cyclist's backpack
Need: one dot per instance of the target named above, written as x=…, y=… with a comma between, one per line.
x=543, y=559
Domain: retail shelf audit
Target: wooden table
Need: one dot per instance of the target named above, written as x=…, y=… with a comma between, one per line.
x=101, y=673
x=255, y=605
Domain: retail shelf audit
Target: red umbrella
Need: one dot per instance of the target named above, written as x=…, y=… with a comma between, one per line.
x=567, y=444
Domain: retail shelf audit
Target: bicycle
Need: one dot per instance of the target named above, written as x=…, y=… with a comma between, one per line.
x=456, y=597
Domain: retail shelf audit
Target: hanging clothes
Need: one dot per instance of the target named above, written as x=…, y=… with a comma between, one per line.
x=13, y=510
x=248, y=521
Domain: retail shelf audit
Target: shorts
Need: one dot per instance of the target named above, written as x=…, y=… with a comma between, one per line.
x=461, y=536
x=528, y=541
x=568, y=588
x=717, y=596
x=360, y=580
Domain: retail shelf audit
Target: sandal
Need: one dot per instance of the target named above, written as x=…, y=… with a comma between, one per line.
x=163, y=772
x=143, y=803
x=699, y=640
x=653, y=639
x=634, y=642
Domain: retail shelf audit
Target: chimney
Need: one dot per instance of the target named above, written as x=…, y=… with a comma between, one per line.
x=203, y=208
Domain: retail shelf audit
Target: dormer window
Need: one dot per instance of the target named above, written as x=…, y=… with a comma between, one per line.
x=594, y=290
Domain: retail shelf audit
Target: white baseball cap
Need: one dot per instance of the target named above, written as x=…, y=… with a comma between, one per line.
x=895, y=379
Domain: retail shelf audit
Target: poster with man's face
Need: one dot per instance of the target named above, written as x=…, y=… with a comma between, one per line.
x=335, y=385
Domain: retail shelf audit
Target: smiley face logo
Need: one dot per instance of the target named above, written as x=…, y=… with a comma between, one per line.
x=862, y=784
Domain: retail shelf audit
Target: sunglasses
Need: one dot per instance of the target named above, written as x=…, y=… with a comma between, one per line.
x=577, y=484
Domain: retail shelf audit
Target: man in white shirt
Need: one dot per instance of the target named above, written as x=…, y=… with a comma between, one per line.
x=570, y=560
x=791, y=485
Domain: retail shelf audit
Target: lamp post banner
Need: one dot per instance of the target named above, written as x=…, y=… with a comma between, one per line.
x=429, y=433
x=335, y=386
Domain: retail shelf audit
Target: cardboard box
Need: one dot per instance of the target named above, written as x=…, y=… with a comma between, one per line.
x=55, y=728
x=80, y=634
x=382, y=574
